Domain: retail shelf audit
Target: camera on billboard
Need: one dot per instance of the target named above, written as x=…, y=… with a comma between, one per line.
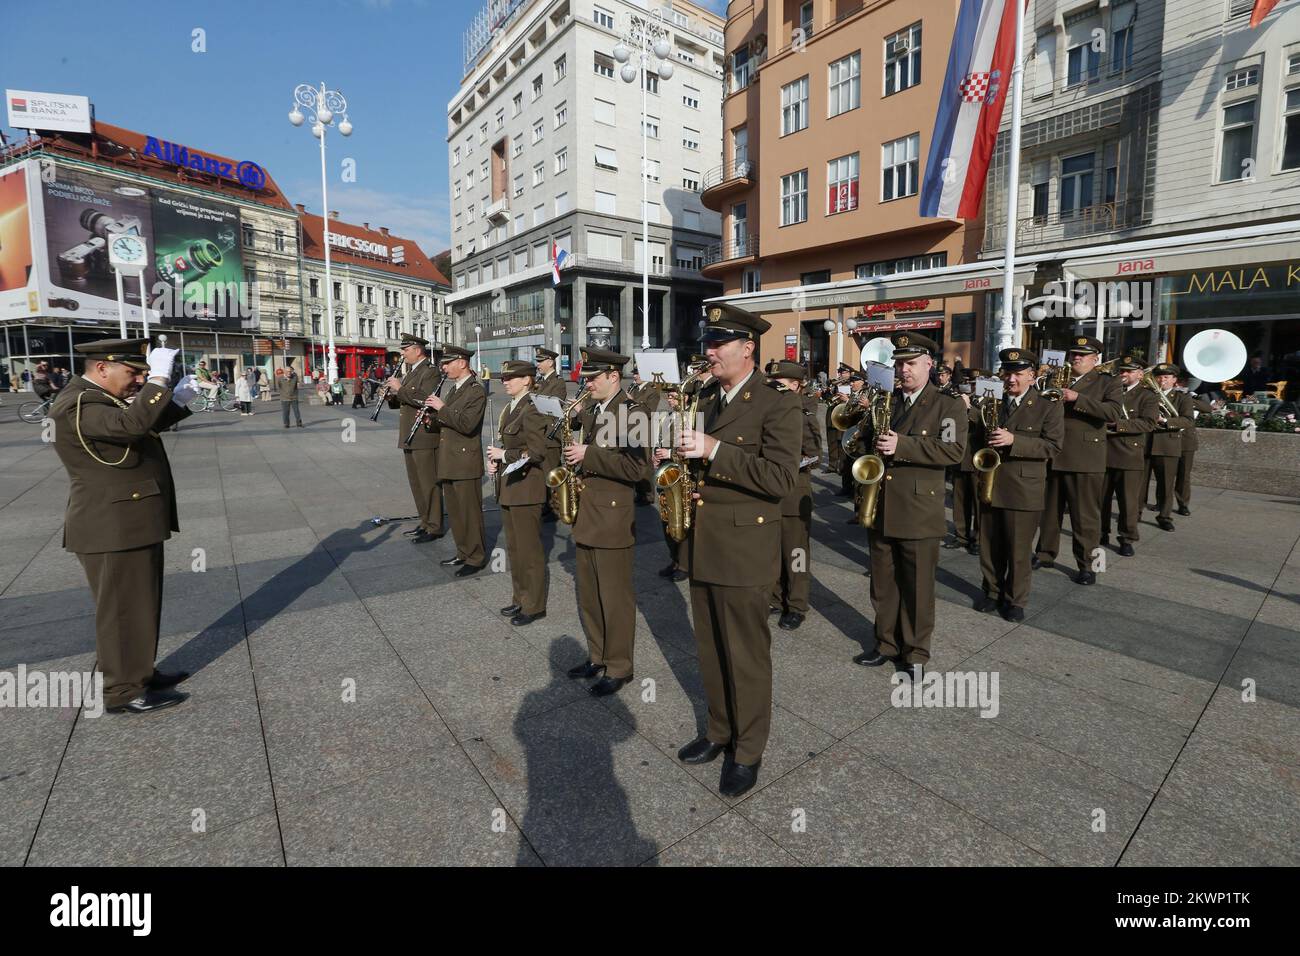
x=90, y=257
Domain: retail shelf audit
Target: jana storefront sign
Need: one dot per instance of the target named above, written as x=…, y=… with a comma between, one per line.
x=248, y=174
x=48, y=111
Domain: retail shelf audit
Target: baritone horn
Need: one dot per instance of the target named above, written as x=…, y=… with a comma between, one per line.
x=987, y=461
x=868, y=470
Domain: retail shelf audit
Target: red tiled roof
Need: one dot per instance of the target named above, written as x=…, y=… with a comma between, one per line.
x=416, y=266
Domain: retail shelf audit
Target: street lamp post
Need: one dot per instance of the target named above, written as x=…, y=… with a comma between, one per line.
x=644, y=44
x=839, y=325
x=323, y=104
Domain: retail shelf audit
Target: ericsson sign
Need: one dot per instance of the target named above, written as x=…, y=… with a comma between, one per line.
x=365, y=247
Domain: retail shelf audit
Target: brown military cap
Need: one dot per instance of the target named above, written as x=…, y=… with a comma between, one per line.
x=409, y=339
x=908, y=345
x=725, y=323
x=452, y=352
x=130, y=352
x=1166, y=369
x=546, y=353
x=1014, y=360
x=1085, y=345
x=595, y=361
x=1130, y=363
x=786, y=369
x=518, y=369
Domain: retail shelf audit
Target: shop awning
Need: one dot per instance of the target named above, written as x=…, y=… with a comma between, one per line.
x=1219, y=249
x=968, y=279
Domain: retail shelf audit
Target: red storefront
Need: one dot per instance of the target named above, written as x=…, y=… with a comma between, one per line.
x=354, y=360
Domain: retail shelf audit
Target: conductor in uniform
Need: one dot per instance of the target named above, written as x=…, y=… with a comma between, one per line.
x=790, y=592
x=122, y=506
x=605, y=530
x=1030, y=433
x=1126, y=454
x=460, y=458
x=421, y=456
x=748, y=453
x=927, y=435
x=1078, y=473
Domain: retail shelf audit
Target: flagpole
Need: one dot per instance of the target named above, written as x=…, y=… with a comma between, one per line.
x=1009, y=330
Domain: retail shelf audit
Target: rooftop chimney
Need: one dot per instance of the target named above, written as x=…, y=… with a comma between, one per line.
x=366, y=226
x=334, y=213
x=384, y=230
x=300, y=207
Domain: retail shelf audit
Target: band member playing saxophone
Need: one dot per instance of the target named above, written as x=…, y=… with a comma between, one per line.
x=522, y=433
x=604, y=533
x=421, y=455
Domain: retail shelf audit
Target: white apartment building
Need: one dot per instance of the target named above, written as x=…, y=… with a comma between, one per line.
x=544, y=151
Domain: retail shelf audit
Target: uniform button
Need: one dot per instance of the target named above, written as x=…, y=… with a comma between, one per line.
x=760, y=519
x=889, y=477
x=135, y=496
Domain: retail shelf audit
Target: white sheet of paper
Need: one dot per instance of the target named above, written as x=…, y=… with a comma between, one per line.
x=845, y=390
x=810, y=460
x=647, y=363
x=1053, y=357
x=881, y=376
x=985, y=385
x=516, y=465
x=548, y=405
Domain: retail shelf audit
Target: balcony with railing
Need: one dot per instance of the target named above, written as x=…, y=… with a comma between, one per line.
x=726, y=180
x=731, y=251
x=499, y=212
x=1064, y=227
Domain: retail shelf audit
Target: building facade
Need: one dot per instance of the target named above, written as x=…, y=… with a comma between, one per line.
x=544, y=152
x=383, y=286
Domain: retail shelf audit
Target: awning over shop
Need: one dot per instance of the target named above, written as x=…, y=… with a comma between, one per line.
x=967, y=279
x=1220, y=249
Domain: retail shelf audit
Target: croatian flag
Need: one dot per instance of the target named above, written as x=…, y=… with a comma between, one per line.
x=970, y=109
x=559, y=259
x=1261, y=9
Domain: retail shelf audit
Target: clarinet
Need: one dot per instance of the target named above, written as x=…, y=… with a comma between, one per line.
x=423, y=417
x=379, y=404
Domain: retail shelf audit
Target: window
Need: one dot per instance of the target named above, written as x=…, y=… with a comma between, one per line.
x=1121, y=37
x=690, y=219
x=482, y=134
x=517, y=104
x=561, y=161
x=842, y=184
x=688, y=257
x=248, y=236
x=521, y=260
x=469, y=179
x=740, y=150
x=604, y=66
x=561, y=68
x=1240, y=8
x=691, y=180
x=500, y=119
x=539, y=214
x=338, y=290
x=650, y=126
x=1238, y=147
x=903, y=59
x=685, y=56
x=1040, y=177
x=794, y=106
x=313, y=287
x=652, y=170
x=898, y=163
x=740, y=229
x=806, y=19
x=281, y=280
x=279, y=240
x=651, y=211
x=537, y=88
x=315, y=323
x=539, y=173
x=561, y=204
x=455, y=156
x=455, y=189
x=518, y=148
x=1083, y=64
x=538, y=129
x=1076, y=184
x=541, y=252
x=845, y=84
x=603, y=18
x=1241, y=79
x=604, y=112
x=650, y=82
x=519, y=185
x=794, y=198
x=691, y=138
x=752, y=280
x=740, y=69
x=820, y=277
x=338, y=326
x=606, y=158
x=606, y=203
x=1044, y=63
x=519, y=223
x=1291, y=129
x=561, y=115
x=604, y=245
x=691, y=98
x=932, y=260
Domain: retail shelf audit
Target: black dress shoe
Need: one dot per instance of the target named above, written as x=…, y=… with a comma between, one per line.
x=413, y=532
x=465, y=570
x=150, y=700
x=973, y=548
x=1125, y=550
x=1013, y=614
x=773, y=609
x=669, y=571
x=424, y=537
x=586, y=670
x=550, y=517
x=452, y=563
x=952, y=544
x=607, y=685
x=700, y=750
x=161, y=681
x=1105, y=541
x=872, y=658
x=1165, y=524
x=1086, y=577
x=1182, y=511
x=986, y=604
x=680, y=575
x=510, y=610
x=1038, y=564
x=523, y=620
x=790, y=621
x=300, y=424
x=737, y=778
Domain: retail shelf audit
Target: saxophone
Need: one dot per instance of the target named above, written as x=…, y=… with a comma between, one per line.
x=565, y=482
x=869, y=469
x=1052, y=380
x=674, y=483
x=987, y=461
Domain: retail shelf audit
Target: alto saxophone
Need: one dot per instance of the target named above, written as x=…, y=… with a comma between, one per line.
x=674, y=483
x=987, y=461
x=868, y=470
x=565, y=483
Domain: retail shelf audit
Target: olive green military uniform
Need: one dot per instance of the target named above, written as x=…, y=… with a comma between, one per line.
x=1126, y=456
x=421, y=455
x=121, y=508
x=1166, y=449
x=1078, y=474
x=733, y=553
x=965, y=504
x=791, y=590
x=1183, y=486
x=460, y=463
x=910, y=520
x=834, y=448
x=522, y=432
x=1007, y=525
x=551, y=386
x=605, y=531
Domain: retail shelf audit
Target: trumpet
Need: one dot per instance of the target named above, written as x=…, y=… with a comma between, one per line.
x=674, y=482
x=566, y=482
x=987, y=461
x=868, y=470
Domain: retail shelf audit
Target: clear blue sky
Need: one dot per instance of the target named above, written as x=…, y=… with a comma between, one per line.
x=397, y=62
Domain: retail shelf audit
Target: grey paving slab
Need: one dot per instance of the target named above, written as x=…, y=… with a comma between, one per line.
x=730, y=840
x=1174, y=835
x=1269, y=657
x=1259, y=725
x=251, y=842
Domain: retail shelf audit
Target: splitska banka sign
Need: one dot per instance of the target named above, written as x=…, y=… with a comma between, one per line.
x=247, y=174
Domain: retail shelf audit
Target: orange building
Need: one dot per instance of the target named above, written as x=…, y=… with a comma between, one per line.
x=827, y=117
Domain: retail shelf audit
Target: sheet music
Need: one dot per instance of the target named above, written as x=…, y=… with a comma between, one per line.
x=516, y=465
x=548, y=405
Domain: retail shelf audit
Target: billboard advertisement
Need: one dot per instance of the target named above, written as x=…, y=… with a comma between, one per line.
x=53, y=111
x=196, y=278
x=18, y=293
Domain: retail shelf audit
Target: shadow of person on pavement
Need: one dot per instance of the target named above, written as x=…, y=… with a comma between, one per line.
x=577, y=813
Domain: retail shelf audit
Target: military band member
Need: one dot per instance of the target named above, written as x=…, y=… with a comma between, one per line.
x=857, y=390
x=1031, y=433
x=522, y=434
x=604, y=534
x=421, y=456
x=550, y=385
x=122, y=506
x=662, y=452
x=834, y=450
x=1167, y=443
x=748, y=450
x=1183, y=486
x=965, y=506
x=460, y=457
x=790, y=592
x=910, y=519
x=1126, y=454
x=647, y=396
x=1078, y=472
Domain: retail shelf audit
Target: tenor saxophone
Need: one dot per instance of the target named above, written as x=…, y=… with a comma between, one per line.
x=987, y=460
x=565, y=483
x=868, y=470
x=674, y=483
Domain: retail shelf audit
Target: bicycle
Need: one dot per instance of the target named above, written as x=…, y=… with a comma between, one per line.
x=204, y=402
x=35, y=412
